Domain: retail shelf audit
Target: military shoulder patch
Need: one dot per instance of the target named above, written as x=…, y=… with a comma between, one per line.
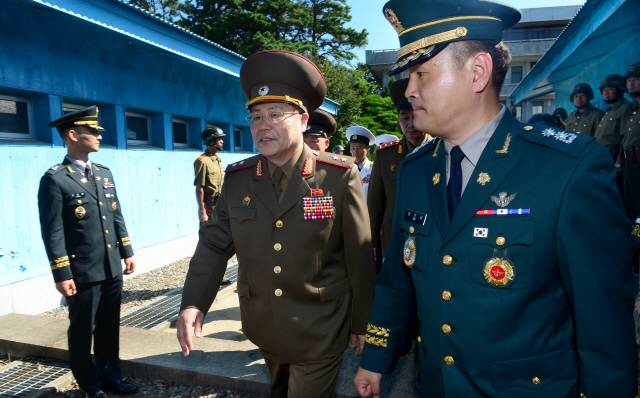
x=388, y=144
x=560, y=140
x=243, y=164
x=55, y=169
x=99, y=166
x=336, y=160
x=202, y=156
x=427, y=146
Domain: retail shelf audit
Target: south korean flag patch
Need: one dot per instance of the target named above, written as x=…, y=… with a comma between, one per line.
x=480, y=232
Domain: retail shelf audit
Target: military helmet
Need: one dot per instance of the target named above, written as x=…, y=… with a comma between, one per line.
x=211, y=133
x=562, y=112
x=337, y=149
x=616, y=81
x=582, y=88
x=633, y=71
x=542, y=118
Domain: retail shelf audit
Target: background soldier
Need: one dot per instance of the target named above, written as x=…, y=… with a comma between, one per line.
x=321, y=126
x=338, y=149
x=631, y=145
x=297, y=220
x=85, y=238
x=209, y=173
x=360, y=140
x=586, y=118
x=495, y=248
x=560, y=116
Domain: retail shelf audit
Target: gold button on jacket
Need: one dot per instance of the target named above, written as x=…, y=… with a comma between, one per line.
x=447, y=260
x=449, y=360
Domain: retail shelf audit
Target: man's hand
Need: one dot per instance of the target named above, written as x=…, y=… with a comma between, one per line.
x=357, y=338
x=202, y=214
x=66, y=288
x=188, y=318
x=367, y=383
x=131, y=265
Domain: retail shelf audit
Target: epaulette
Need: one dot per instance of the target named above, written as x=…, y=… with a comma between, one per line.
x=560, y=140
x=204, y=155
x=425, y=147
x=388, y=144
x=55, y=169
x=336, y=160
x=243, y=164
x=100, y=166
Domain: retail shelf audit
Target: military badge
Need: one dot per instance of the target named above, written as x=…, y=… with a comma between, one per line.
x=263, y=90
x=246, y=200
x=307, y=169
x=55, y=167
x=108, y=185
x=480, y=232
x=97, y=178
x=503, y=200
x=400, y=149
x=436, y=178
x=415, y=216
x=259, y=168
x=561, y=136
x=393, y=20
x=528, y=128
x=409, y=252
x=84, y=180
x=393, y=167
x=76, y=195
x=318, y=207
x=505, y=147
x=483, y=178
x=80, y=212
x=106, y=179
x=114, y=206
x=499, y=272
x=317, y=192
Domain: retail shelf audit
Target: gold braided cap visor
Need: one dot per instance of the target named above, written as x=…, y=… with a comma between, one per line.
x=277, y=98
x=447, y=20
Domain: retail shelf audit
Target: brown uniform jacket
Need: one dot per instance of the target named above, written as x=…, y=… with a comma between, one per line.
x=632, y=127
x=610, y=130
x=584, y=122
x=209, y=173
x=304, y=285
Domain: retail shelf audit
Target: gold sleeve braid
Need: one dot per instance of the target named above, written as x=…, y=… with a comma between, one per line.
x=372, y=335
x=126, y=241
x=59, y=263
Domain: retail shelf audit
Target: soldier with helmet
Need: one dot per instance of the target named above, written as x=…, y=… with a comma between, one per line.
x=209, y=172
x=631, y=145
x=585, y=119
x=338, y=149
x=321, y=126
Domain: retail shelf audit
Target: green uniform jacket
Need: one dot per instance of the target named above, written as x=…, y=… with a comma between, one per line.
x=585, y=122
x=563, y=325
x=81, y=228
x=611, y=128
x=381, y=199
x=304, y=285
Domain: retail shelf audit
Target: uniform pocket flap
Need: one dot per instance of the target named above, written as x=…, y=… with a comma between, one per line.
x=535, y=372
x=335, y=291
x=80, y=251
x=502, y=231
x=243, y=213
x=417, y=227
x=243, y=290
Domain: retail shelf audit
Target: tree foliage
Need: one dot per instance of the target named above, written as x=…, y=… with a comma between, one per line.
x=169, y=10
x=379, y=115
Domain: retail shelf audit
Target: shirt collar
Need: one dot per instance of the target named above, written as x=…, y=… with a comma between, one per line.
x=80, y=165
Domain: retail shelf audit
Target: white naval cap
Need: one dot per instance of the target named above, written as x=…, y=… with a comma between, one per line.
x=360, y=134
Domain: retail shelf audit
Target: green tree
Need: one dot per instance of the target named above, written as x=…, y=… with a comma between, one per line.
x=379, y=115
x=169, y=10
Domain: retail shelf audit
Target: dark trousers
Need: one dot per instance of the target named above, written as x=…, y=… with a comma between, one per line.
x=95, y=311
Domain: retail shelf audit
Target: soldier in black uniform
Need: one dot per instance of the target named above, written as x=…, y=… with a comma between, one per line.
x=85, y=238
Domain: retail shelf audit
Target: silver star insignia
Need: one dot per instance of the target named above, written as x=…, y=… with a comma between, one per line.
x=503, y=200
x=335, y=158
x=343, y=159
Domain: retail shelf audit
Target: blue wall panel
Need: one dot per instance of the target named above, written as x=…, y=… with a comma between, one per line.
x=156, y=194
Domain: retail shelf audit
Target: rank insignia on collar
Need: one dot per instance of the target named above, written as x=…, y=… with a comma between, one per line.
x=259, y=168
x=308, y=166
x=435, y=152
x=98, y=178
x=499, y=272
x=505, y=147
x=55, y=167
x=400, y=149
x=80, y=212
x=246, y=200
x=436, y=178
x=317, y=192
x=502, y=200
x=483, y=178
x=393, y=167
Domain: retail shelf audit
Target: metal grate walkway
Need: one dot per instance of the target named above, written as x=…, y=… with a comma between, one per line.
x=28, y=377
x=166, y=308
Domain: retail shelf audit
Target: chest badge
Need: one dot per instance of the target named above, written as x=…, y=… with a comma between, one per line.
x=436, y=178
x=317, y=192
x=499, y=272
x=246, y=200
x=80, y=212
x=483, y=178
x=114, y=206
x=393, y=167
x=502, y=200
x=318, y=207
x=409, y=252
x=84, y=180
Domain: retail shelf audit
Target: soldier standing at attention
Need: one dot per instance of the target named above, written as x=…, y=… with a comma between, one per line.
x=85, y=238
x=381, y=198
x=297, y=220
x=631, y=145
x=360, y=140
x=338, y=149
x=321, y=126
x=495, y=248
x=209, y=173
x=586, y=118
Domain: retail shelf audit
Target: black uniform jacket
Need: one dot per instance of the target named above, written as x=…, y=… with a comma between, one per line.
x=83, y=231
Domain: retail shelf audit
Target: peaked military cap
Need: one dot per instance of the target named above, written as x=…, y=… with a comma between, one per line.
x=360, y=134
x=633, y=71
x=282, y=76
x=616, y=81
x=84, y=117
x=396, y=92
x=211, y=133
x=582, y=88
x=425, y=27
x=321, y=123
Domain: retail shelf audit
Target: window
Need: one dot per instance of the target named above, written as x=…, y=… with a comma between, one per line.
x=237, y=133
x=68, y=108
x=180, y=133
x=138, y=128
x=516, y=74
x=15, y=117
x=538, y=107
x=519, y=112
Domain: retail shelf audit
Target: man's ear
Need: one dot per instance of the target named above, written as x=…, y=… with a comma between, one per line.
x=327, y=143
x=304, y=118
x=72, y=135
x=482, y=68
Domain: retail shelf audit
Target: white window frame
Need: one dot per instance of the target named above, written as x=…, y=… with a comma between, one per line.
x=142, y=115
x=29, y=118
x=179, y=144
x=534, y=106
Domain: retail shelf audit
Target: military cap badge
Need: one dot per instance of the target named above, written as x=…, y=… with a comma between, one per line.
x=264, y=90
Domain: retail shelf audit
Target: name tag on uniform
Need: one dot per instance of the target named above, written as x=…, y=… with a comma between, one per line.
x=415, y=216
x=76, y=195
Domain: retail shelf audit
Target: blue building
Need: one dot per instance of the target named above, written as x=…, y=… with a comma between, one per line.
x=602, y=39
x=157, y=87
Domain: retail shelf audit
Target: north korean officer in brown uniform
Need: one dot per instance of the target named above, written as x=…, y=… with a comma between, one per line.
x=85, y=238
x=631, y=145
x=321, y=126
x=585, y=119
x=209, y=172
x=381, y=198
x=297, y=220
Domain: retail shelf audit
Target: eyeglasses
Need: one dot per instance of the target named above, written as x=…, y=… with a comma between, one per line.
x=272, y=117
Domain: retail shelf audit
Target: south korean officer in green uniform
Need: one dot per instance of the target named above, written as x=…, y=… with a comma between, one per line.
x=85, y=238
x=512, y=244
x=585, y=119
